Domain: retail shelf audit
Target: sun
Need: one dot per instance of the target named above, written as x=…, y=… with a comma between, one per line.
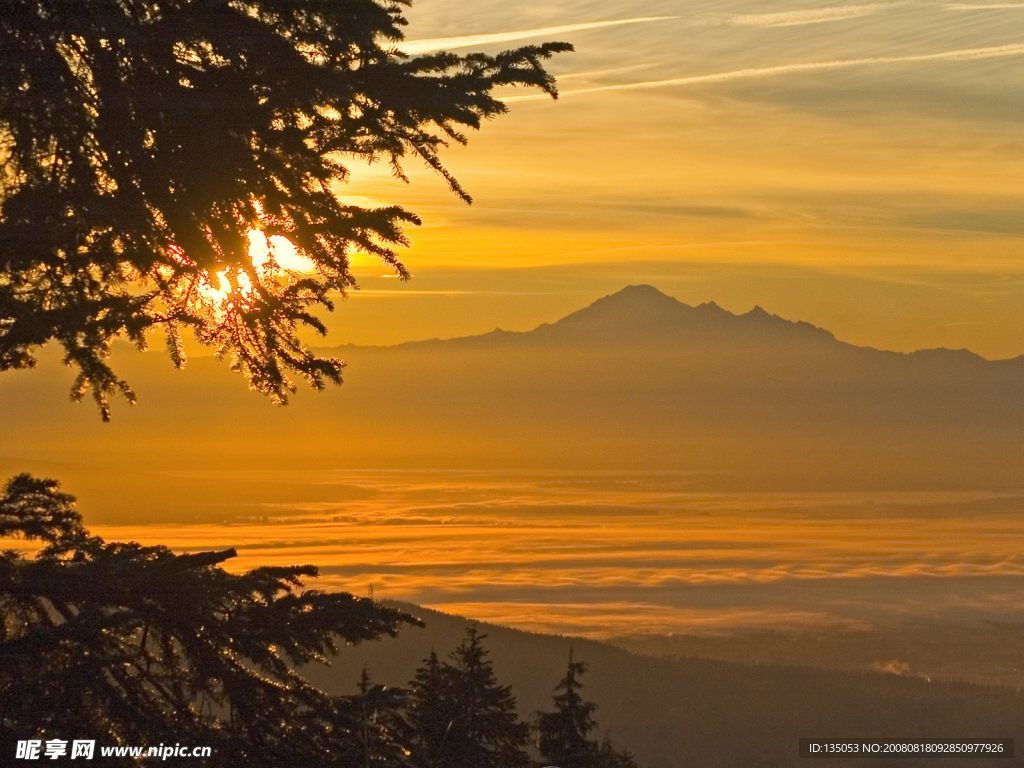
x=276, y=254
x=273, y=257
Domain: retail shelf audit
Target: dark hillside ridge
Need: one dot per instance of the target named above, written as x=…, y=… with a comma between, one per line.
x=676, y=713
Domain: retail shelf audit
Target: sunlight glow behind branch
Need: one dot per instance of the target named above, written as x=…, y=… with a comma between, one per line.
x=274, y=258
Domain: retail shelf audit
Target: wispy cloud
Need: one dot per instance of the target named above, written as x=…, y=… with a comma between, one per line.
x=962, y=54
x=984, y=6
x=808, y=15
x=598, y=72
x=427, y=45
x=405, y=292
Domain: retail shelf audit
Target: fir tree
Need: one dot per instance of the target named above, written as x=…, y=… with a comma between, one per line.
x=146, y=148
x=462, y=716
x=129, y=644
x=486, y=731
x=563, y=735
x=382, y=733
x=431, y=712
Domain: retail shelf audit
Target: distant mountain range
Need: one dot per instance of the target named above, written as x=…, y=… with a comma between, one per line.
x=642, y=380
x=636, y=380
x=642, y=316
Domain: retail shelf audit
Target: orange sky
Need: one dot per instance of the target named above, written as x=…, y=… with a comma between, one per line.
x=870, y=151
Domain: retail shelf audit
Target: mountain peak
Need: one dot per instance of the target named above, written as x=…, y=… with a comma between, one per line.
x=637, y=314
x=640, y=289
x=642, y=314
x=634, y=305
x=640, y=293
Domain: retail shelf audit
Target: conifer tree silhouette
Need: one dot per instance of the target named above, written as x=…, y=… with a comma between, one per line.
x=462, y=717
x=127, y=644
x=144, y=145
x=383, y=734
x=563, y=735
x=431, y=712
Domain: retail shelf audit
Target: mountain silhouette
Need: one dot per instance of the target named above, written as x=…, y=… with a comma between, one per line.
x=643, y=315
x=635, y=380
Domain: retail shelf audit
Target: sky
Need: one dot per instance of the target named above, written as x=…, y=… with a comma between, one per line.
x=853, y=165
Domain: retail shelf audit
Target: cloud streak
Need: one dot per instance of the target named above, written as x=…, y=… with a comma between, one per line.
x=754, y=73
x=607, y=554
x=808, y=16
x=985, y=6
x=428, y=45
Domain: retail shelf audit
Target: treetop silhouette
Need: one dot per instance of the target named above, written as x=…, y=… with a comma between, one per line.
x=130, y=643
x=461, y=715
x=160, y=161
x=563, y=735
